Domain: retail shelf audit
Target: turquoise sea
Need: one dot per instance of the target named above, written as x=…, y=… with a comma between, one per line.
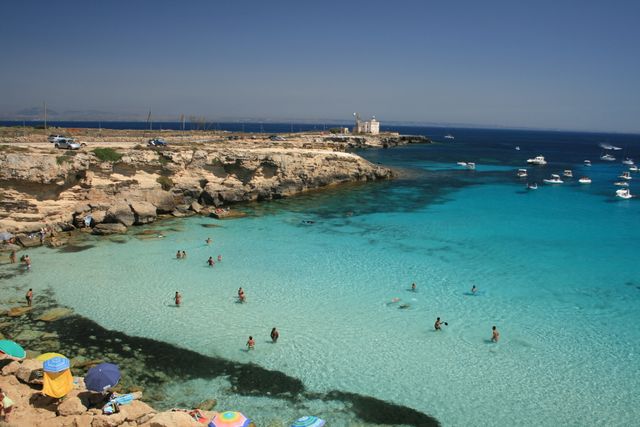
x=557, y=270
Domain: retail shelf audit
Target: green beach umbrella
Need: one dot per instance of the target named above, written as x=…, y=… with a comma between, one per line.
x=12, y=348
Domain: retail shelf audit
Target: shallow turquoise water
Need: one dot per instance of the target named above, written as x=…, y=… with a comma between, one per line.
x=557, y=270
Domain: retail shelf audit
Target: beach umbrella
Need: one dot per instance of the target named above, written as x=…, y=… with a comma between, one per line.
x=102, y=376
x=12, y=348
x=56, y=364
x=46, y=356
x=5, y=235
x=308, y=421
x=57, y=384
x=229, y=419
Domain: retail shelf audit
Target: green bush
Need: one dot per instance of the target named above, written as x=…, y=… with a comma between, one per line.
x=61, y=159
x=166, y=182
x=107, y=154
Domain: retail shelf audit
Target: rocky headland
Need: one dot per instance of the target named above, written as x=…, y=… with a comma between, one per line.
x=117, y=180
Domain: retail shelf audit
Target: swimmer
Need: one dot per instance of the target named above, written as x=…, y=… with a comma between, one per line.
x=208, y=240
x=178, y=255
x=251, y=344
x=413, y=287
x=275, y=335
x=210, y=261
x=474, y=289
x=403, y=306
x=219, y=258
x=27, y=261
x=495, y=335
x=184, y=254
x=12, y=257
x=241, y=296
x=178, y=299
x=29, y=297
x=438, y=324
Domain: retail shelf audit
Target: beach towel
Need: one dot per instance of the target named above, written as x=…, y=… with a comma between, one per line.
x=57, y=384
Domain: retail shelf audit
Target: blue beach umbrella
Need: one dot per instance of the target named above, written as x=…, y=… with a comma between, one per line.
x=308, y=421
x=102, y=376
x=12, y=348
x=56, y=364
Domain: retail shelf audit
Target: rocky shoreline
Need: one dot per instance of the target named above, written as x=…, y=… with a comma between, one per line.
x=114, y=183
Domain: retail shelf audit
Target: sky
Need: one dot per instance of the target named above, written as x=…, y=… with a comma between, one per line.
x=571, y=65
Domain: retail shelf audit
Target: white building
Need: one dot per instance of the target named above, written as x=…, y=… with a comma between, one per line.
x=369, y=126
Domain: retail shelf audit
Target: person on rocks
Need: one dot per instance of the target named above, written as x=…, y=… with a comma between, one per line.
x=275, y=335
x=178, y=299
x=6, y=405
x=29, y=297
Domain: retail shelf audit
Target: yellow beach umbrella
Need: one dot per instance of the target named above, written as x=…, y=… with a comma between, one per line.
x=46, y=356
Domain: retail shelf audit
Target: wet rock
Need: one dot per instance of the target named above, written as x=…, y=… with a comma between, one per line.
x=108, y=229
x=71, y=406
x=18, y=311
x=207, y=405
x=27, y=242
x=55, y=314
x=28, y=335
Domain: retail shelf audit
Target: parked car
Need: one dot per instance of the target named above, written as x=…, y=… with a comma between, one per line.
x=56, y=138
x=277, y=138
x=157, y=142
x=67, y=143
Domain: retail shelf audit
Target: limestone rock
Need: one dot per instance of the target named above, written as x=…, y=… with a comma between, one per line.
x=196, y=207
x=172, y=419
x=136, y=410
x=112, y=420
x=11, y=368
x=8, y=247
x=18, y=311
x=28, y=335
x=55, y=314
x=121, y=212
x=105, y=229
x=71, y=406
x=83, y=420
x=144, y=212
x=27, y=242
x=30, y=371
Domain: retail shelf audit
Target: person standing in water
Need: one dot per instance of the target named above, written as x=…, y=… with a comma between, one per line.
x=208, y=241
x=219, y=258
x=413, y=287
x=27, y=261
x=275, y=335
x=241, y=296
x=438, y=324
x=210, y=261
x=178, y=255
x=251, y=344
x=495, y=335
x=184, y=254
x=178, y=299
x=474, y=289
x=29, y=297
x=12, y=257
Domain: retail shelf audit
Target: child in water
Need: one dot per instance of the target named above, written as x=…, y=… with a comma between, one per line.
x=251, y=343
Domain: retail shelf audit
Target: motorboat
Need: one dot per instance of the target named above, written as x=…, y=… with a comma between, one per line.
x=568, y=173
x=607, y=157
x=462, y=164
x=625, y=175
x=538, y=160
x=449, y=136
x=555, y=179
x=587, y=162
x=517, y=148
x=624, y=193
x=533, y=186
x=471, y=166
x=522, y=173
x=633, y=168
x=585, y=180
x=621, y=184
x=609, y=147
x=628, y=161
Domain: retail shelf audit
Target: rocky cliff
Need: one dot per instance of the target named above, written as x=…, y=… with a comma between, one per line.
x=132, y=184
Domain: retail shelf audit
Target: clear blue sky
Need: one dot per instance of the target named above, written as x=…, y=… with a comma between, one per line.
x=542, y=64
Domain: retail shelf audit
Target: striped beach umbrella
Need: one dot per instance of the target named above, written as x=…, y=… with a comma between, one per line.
x=56, y=364
x=308, y=421
x=12, y=348
x=229, y=419
x=46, y=356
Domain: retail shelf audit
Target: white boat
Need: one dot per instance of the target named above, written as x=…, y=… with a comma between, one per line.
x=471, y=166
x=607, y=157
x=609, y=147
x=587, y=162
x=568, y=173
x=555, y=179
x=462, y=164
x=522, y=173
x=621, y=184
x=538, y=160
x=533, y=186
x=628, y=161
x=449, y=136
x=633, y=168
x=624, y=193
x=517, y=148
x=585, y=180
x=625, y=175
